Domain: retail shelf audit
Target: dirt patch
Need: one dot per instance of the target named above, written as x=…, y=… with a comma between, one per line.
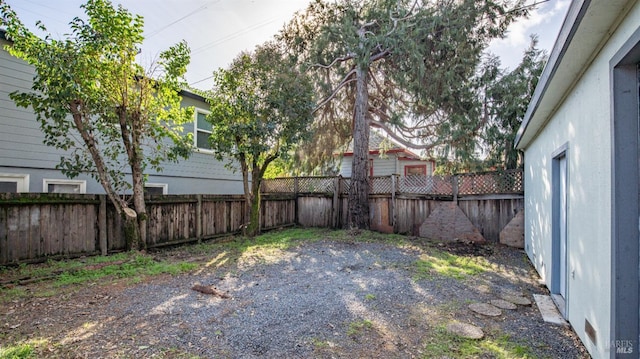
x=321, y=299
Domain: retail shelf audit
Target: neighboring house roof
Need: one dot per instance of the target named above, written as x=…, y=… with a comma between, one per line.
x=576, y=47
x=379, y=144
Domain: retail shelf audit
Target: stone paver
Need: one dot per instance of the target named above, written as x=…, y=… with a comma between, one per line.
x=485, y=309
x=465, y=330
x=516, y=299
x=503, y=304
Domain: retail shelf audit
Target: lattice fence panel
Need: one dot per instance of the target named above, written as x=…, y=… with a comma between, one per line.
x=380, y=185
x=278, y=185
x=434, y=185
x=491, y=182
x=316, y=185
x=511, y=181
x=345, y=185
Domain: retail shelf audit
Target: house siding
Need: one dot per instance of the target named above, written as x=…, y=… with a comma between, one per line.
x=582, y=123
x=22, y=150
x=386, y=166
x=381, y=166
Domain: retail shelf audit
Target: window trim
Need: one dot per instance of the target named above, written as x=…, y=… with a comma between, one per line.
x=22, y=180
x=164, y=186
x=196, y=130
x=47, y=181
x=423, y=166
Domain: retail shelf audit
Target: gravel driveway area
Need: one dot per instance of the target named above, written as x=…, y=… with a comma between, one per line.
x=316, y=299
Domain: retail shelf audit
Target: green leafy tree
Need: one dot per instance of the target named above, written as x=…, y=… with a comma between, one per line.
x=508, y=99
x=94, y=101
x=260, y=108
x=407, y=67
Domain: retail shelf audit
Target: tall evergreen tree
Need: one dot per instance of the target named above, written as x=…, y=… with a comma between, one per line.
x=407, y=67
x=508, y=99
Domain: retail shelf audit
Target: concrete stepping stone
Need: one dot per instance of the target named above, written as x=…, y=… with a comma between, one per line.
x=465, y=330
x=503, y=304
x=485, y=309
x=516, y=299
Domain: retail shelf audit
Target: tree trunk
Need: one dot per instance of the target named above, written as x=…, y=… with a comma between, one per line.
x=131, y=228
x=253, y=228
x=131, y=138
x=139, y=205
x=359, y=190
x=247, y=194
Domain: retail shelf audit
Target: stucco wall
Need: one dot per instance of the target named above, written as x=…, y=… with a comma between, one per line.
x=583, y=123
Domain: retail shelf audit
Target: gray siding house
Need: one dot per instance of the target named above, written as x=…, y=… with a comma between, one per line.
x=580, y=139
x=393, y=160
x=28, y=165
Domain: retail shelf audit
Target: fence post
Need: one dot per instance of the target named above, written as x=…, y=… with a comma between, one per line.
x=335, y=210
x=295, y=193
x=454, y=186
x=102, y=224
x=199, y=218
x=392, y=205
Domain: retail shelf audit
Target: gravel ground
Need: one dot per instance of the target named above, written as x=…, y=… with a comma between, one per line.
x=323, y=299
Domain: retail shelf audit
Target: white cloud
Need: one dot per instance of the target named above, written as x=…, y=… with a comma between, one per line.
x=544, y=21
x=518, y=33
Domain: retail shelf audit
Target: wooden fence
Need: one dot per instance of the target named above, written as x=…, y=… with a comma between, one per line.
x=34, y=226
x=401, y=204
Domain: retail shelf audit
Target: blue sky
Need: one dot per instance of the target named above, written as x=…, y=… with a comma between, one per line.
x=217, y=30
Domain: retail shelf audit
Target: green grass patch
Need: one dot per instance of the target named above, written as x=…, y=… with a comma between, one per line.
x=359, y=326
x=319, y=344
x=448, y=265
x=136, y=266
x=55, y=274
x=442, y=344
x=23, y=350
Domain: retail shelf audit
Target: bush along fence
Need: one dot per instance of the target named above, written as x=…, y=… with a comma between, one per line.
x=34, y=226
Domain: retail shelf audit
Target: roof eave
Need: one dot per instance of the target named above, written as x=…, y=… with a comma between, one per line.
x=575, y=14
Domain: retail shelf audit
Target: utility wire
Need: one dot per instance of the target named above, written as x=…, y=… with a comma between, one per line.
x=232, y=36
x=156, y=32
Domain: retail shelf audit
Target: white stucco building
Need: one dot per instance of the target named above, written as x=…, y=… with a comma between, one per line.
x=580, y=138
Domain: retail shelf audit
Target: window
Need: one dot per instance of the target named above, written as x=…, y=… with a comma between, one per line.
x=156, y=188
x=203, y=130
x=14, y=183
x=415, y=170
x=63, y=186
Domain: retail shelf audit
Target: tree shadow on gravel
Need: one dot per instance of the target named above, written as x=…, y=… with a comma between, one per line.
x=304, y=294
